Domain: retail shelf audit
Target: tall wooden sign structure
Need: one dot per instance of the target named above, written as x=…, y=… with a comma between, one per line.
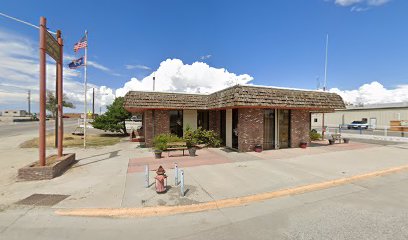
x=54, y=48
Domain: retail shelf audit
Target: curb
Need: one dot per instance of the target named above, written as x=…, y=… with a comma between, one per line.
x=223, y=203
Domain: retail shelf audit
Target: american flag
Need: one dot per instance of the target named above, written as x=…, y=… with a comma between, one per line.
x=83, y=43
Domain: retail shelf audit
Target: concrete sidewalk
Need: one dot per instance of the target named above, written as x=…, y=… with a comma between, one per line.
x=270, y=173
x=101, y=178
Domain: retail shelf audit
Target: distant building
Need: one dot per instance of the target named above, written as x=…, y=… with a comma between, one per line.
x=15, y=113
x=378, y=116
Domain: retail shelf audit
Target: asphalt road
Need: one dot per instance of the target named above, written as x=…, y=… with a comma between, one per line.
x=15, y=129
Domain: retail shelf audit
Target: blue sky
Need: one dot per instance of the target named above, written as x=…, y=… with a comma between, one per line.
x=279, y=43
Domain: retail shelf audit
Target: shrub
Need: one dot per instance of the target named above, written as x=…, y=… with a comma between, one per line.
x=160, y=141
x=190, y=137
x=314, y=135
x=202, y=136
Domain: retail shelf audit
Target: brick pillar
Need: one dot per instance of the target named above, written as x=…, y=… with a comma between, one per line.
x=148, y=127
x=300, y=122
x=250, y=128
x=214, y=121
x=162, y=120
x=161, y=124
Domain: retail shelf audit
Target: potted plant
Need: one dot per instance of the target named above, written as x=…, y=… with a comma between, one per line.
x=191, y=141
x=192, y=150
x=157, y=153
x=258, y=148
x=303, y=144
x=160, y=144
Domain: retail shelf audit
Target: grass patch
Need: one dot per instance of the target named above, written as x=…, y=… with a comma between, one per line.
x=93, y=140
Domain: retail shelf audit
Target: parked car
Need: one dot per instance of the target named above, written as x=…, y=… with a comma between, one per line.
x=357, y=125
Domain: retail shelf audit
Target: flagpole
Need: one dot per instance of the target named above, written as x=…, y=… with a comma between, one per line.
x=85, y=85
x=325, y=82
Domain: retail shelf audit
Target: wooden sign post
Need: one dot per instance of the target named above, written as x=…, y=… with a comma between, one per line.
x=54, y=48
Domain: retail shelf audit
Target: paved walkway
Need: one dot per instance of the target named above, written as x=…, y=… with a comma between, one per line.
x=113, y=177
x=203, y=157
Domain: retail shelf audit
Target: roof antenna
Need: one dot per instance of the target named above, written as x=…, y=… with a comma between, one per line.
x=154, y=81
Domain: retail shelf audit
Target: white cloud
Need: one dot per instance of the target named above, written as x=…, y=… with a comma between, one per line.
x=175, y=76
x=377, y=2
x=143, y=67
x=19, y=72
x=98, y=66
x=360, y=5
x=373, y=93
x=206, y=57
x=359, y=9
x=346, y=3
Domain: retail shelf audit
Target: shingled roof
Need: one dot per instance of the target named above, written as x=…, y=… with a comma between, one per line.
x=236, y=97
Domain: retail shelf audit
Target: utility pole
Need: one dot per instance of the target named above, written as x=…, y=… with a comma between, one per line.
x=325, y=63
x=29, y=102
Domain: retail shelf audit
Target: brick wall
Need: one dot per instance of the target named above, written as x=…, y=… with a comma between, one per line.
x=250, y=128
x=161, y=121
x=300, y=124
x=148, y=127
x=162, y=118
x=34, y=172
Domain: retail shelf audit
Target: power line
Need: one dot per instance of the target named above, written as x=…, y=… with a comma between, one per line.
x=24, y=22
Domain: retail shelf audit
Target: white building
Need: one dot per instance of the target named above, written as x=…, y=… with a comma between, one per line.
x=378, y=116
x=14, y=113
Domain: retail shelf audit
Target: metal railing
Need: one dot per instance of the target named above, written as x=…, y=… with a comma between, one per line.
x=362, y=132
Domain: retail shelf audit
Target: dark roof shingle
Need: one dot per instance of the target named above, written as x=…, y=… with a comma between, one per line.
x=236, y=96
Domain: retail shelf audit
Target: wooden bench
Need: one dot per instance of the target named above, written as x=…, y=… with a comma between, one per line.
x=176, y=146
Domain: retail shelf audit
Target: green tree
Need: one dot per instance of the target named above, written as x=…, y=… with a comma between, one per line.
x=52, y=103
x=114, y=118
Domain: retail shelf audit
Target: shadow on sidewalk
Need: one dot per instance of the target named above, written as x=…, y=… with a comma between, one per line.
x=111, y=155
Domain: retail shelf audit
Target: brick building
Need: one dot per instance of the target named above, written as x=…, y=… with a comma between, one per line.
x=244, y=116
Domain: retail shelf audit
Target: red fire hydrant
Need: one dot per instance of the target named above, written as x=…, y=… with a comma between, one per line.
x=161, y=180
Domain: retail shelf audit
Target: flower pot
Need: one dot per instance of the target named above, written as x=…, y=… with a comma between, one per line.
x=258, y=148
x=157, y=154
x=303, y=144
x=331, y=141
x=346, y=140
x=192, y=151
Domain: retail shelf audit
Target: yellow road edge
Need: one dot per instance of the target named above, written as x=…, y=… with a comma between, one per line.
x=223, y=203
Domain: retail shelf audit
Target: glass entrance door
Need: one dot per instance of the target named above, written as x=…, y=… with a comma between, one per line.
x=235, y=128
x=223, y=126
x=284, y=128
x=269, y=129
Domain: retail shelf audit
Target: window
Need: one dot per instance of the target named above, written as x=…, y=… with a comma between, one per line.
x=176, y=122
x=315, y=120
x=203, y=119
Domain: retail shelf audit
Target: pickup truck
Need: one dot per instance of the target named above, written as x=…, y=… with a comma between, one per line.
x=357, y=125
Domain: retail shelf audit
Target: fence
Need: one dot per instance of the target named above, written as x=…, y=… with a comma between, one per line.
x=380, y=132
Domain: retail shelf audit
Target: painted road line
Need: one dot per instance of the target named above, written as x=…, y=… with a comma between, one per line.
x=223, y=203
